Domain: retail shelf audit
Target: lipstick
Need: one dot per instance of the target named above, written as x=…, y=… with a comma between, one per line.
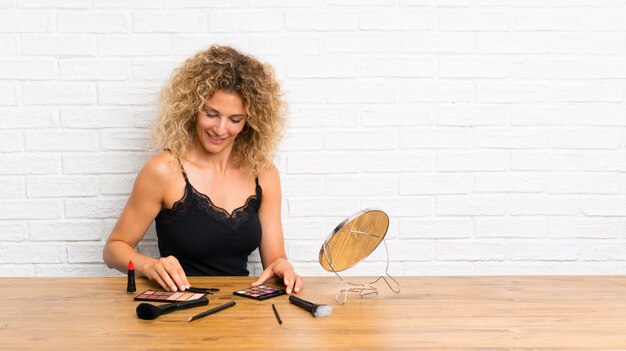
x=130, y=287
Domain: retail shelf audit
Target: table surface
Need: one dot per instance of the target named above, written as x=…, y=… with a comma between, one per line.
x=444, y=313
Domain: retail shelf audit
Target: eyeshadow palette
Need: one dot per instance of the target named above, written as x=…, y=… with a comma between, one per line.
x=261, y=292
x=167, y=296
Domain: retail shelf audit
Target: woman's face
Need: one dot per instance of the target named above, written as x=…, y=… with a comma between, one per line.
x=221, y=120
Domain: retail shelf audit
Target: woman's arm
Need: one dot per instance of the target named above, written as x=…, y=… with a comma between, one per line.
x=272, y=248
x=143, y=205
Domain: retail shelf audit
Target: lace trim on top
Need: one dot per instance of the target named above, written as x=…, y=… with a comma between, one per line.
x=169, y=214
x=233, y=220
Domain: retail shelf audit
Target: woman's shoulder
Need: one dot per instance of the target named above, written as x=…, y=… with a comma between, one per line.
x=269, y=176
x=162, y=167
x=269, y=171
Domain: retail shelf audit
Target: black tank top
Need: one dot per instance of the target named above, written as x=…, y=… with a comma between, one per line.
x=206, y=239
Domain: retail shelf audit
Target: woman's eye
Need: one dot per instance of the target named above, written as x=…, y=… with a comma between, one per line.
x=210, y=115
x=236, y=121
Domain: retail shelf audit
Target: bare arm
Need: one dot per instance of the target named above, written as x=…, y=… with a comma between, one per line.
x=272, y=248
x=143, y=205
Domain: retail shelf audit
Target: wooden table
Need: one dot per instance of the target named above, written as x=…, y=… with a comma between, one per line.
x=444, y=313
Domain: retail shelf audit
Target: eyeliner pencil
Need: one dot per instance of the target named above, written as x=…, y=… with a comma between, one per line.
x=211, y=311
x=199, y=291
x=202, y=289
x=280, y=321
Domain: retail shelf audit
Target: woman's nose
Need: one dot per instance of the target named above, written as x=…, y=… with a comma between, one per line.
x=220, y=127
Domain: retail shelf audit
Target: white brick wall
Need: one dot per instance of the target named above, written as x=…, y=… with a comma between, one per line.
x=492, y=132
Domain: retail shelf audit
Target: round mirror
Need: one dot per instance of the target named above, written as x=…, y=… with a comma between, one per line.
x=353, y=240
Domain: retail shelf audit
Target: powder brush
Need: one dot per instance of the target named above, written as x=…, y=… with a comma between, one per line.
x=148, y=311
x=315, y=309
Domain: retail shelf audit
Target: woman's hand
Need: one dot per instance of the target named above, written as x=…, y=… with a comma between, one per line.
x=168, y=272
x=281, y=268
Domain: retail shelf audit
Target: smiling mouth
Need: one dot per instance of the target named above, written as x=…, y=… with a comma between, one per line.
x=216, y=139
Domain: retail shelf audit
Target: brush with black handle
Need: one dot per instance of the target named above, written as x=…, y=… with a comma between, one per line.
x=315, y=309
x=148, y=311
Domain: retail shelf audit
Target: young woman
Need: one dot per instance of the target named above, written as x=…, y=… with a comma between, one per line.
x=213, y=189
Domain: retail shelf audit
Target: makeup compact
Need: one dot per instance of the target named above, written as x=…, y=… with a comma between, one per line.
x=167, y=296
x=261, y=292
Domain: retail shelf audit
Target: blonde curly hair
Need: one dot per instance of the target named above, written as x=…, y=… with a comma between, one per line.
x=197, y=79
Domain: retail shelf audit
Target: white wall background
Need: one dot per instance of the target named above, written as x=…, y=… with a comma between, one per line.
x=492, y=131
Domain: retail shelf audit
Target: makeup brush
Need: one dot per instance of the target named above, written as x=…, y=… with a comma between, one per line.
x=148, y=311
x=315, y=309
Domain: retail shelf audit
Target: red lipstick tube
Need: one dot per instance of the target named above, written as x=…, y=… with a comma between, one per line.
x=130, y=286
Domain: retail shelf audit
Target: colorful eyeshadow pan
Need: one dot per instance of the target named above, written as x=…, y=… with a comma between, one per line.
x=260, y=292
x=167, y=296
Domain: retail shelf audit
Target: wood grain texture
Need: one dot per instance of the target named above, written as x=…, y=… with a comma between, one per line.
x=437, y=313
x=354, y=240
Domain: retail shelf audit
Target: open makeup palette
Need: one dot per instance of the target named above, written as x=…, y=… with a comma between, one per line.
x=261, y=292
x=167, y=296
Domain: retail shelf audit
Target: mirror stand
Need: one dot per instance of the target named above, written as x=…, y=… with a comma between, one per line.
x=362, y=289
